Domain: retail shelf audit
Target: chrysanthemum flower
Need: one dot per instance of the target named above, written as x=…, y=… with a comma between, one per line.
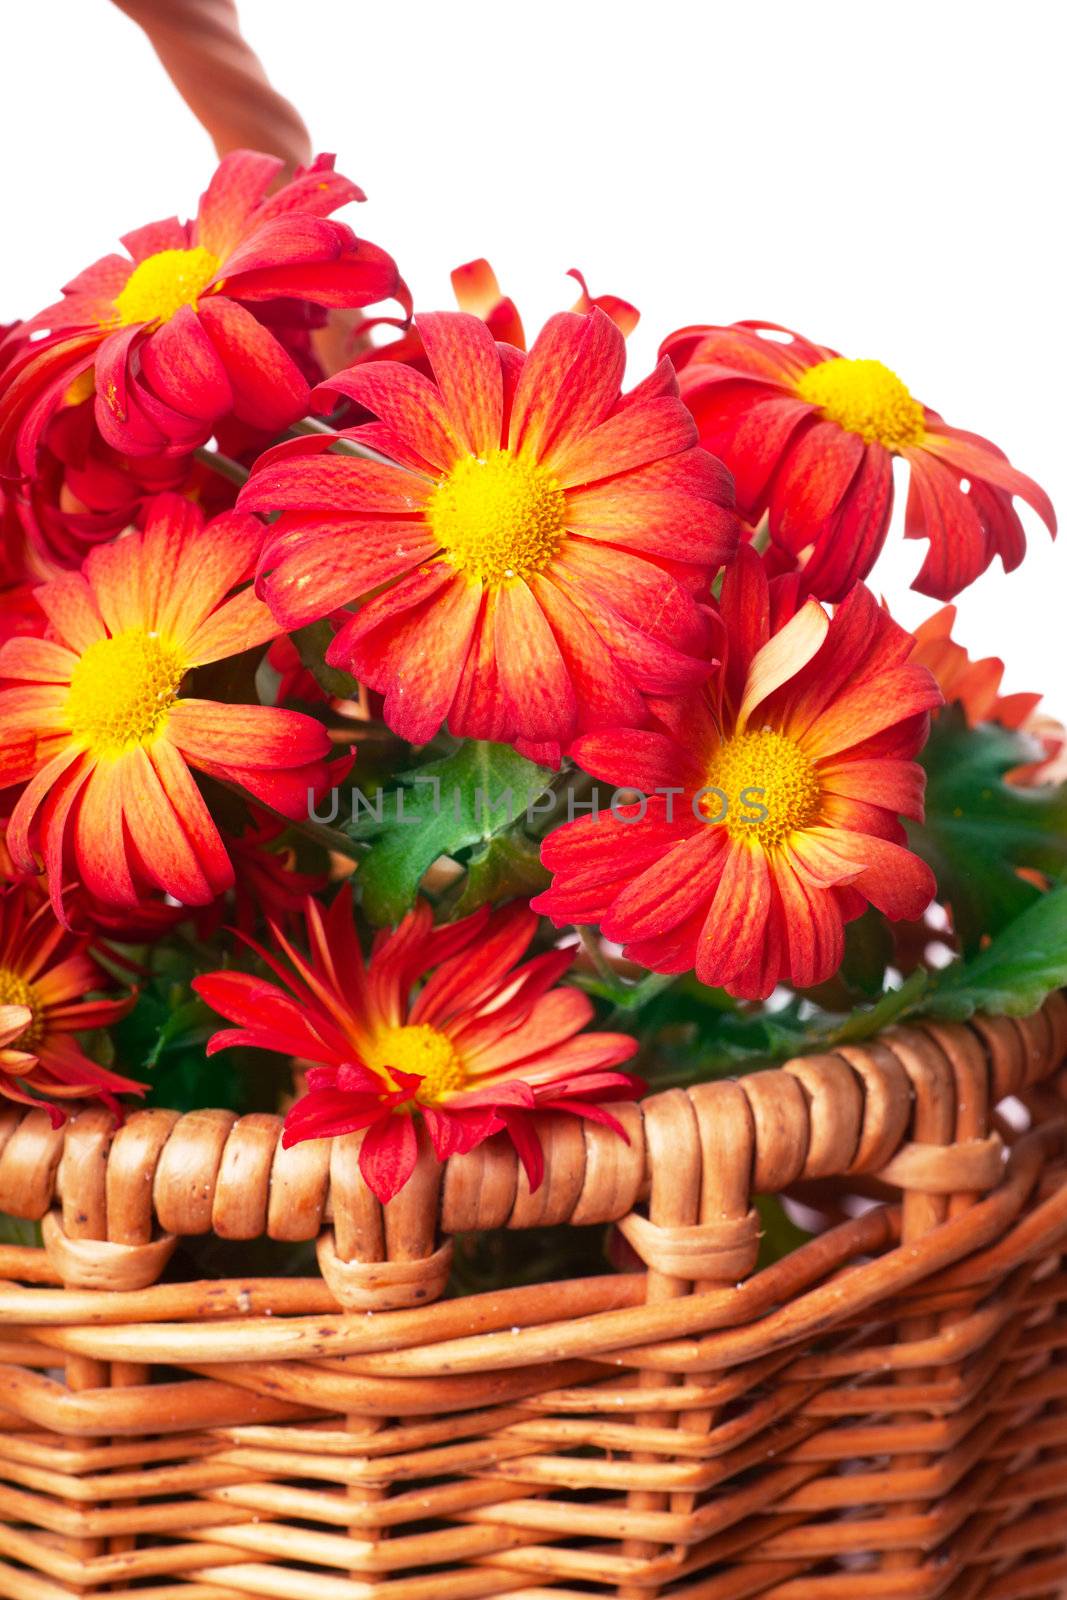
x=45, y=975
x=789, y=775
x=96, y=724
x=974, y=685
x=442, y=1022
x=83, y=492
x=538, y=555
x=269, y=883
x=810, y=437
x=178, y=334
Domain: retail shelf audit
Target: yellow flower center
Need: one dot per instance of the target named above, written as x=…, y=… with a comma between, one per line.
x=498, y=518
x=771, y=788
x=121, y=691
x=423, y=1050
x=161, y=284
x=866, y=398
x=15, y=991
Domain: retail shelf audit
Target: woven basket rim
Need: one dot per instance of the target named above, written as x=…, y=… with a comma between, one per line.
x=843, y=1112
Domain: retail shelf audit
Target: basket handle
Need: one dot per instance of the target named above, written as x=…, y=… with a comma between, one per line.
x=220, y=77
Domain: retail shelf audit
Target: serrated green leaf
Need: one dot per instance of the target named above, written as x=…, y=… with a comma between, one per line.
x=980, y=830
x=1016, y=971
x=508, y=866
x=441, y=809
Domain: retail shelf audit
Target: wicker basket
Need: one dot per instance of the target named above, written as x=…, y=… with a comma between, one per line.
x=882, y=1413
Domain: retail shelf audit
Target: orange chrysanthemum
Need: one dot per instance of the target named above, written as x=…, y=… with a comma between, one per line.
x=810, y=437
x=98, y=727
x=771, y=802
x=45, y=975
x=537, y=556
x=190, y=327
x=441, y=1022
x=975, y=687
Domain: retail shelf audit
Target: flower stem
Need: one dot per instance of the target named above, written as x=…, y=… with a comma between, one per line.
x=348, y=447
x=761, y=536
x=223, y=465
x=591, y=945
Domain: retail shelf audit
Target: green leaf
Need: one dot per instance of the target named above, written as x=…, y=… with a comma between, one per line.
x=508, y=866
x=868, y=952
x=162, y=1042
x=866, y=1021
x=1015, y=972
x=444, y=808
x=692, y=1034
x=622, y=995
x=979, y=829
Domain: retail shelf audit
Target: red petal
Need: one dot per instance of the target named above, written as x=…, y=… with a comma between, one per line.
x=735, y=928
x=238, y=185
x=313, y=481
x=463, y=355
x=747, y=426
x=407, y=402
x=269, y=390
x=634, y=436
x=569, y=384
x=388, y=1155
x=977, y=459
x=521, y=1132
x=534, y=680
x=182, y=367
x=811, y=482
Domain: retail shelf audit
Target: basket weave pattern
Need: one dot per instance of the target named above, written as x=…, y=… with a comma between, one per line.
x=881, y=1415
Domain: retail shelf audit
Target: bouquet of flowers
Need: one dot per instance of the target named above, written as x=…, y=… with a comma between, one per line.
x=406, y=724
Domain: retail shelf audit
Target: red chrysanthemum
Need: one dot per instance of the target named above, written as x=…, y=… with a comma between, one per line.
x=268, y=882
x=442, y=1022
x=179, y=334
x=83, y=492
x=810, y=438
x=46, y=973
x=537, y=557
x=780, y=789
x=96, y=726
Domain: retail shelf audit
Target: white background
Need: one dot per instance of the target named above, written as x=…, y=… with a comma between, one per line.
x=887, y=179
